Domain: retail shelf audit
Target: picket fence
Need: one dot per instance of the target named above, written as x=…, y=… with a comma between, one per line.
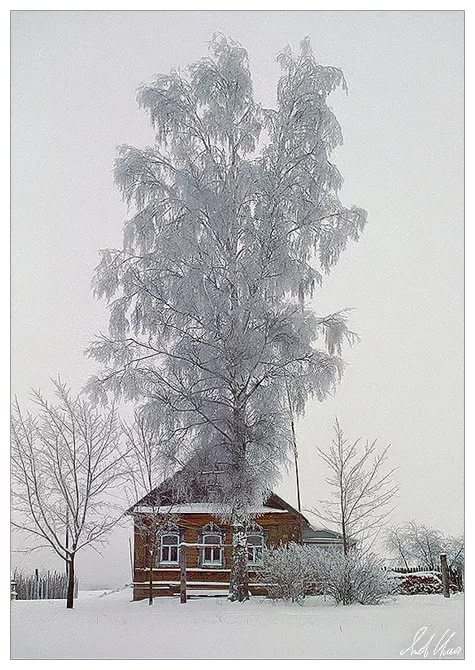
x=48, y=586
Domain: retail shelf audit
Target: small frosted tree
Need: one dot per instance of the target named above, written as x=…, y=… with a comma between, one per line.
x=236, y=217
x=66, y=460
x=361, y=488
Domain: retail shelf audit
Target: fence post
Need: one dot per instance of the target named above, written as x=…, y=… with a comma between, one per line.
x=182, y=573
x=445, y=575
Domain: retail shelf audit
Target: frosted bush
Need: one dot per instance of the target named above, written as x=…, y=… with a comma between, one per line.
x=287, y=572
x=355, y=578
x=292, y=571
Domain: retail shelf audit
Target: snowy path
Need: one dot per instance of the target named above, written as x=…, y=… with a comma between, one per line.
x=113, y=627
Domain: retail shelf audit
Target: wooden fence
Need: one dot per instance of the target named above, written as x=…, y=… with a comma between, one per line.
x=52, y=585
x=417, y=568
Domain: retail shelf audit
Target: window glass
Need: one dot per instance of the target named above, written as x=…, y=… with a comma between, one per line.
x=255, y=544
x=169, y=548
x=213, y=554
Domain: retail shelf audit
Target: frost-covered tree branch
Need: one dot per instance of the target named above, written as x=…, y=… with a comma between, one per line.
x=66, y=461
x=235, y=218
x=422, y=545
x=361, y=487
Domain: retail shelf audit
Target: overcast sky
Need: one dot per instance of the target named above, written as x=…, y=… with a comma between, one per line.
x=74, y=76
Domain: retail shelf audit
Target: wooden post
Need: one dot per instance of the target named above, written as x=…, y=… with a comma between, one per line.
x=182, y=573
x=131, y=560
x=445, y=575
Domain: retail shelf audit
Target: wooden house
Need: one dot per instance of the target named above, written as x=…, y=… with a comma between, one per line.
x=175, y=518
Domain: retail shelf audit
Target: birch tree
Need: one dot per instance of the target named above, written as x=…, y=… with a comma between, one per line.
x=66, y=462
x=235, y=218
x=361, y=487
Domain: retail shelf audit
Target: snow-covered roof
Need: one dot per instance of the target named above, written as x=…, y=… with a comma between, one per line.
x=199, y=508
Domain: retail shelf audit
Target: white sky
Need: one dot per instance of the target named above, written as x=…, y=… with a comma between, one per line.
x=74, y=76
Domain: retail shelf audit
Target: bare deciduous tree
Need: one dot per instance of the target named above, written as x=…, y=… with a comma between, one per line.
x=362, y=487
x=423, y=545
x=66, y=461
x=426, y=544
x=397, y=542
x=454, y=547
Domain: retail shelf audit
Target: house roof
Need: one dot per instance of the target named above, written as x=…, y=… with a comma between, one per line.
x=179, y=494
x=188, y=492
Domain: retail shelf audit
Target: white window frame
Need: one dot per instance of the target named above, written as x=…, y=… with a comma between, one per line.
x=255, y=531
x=168, y=533
x=213, y=530
x=219, y=550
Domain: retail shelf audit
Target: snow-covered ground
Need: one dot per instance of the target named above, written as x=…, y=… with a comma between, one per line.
x=112, y=626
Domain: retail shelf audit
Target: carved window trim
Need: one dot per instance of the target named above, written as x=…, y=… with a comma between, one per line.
x=255, y=547
x=214, y=556
x=166, y=554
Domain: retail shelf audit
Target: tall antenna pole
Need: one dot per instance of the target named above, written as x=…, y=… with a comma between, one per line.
x=294, y=443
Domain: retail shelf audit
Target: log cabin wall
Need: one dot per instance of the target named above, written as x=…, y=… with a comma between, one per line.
x=279, y=527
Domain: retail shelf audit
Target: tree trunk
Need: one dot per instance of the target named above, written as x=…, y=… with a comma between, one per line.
x=343, y=534
x=150, y=586
x=70, y=596
x=151, y=553
x=239, y=579
x=404, y=559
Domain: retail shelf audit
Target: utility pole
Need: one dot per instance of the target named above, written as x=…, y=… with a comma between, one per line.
x=294, y=443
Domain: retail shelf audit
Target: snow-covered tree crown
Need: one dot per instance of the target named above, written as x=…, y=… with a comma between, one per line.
x=231, y=232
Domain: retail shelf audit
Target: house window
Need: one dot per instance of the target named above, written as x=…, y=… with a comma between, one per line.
x=169, y=549
x=255, y=545
x=212, y=555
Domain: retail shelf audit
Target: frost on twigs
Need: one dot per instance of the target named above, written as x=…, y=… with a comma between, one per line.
x=234, y=218
x=356, y=577
x=294, y=571
x=67, y=465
